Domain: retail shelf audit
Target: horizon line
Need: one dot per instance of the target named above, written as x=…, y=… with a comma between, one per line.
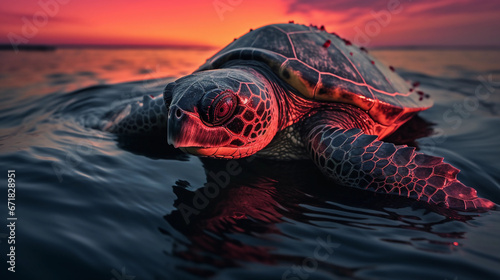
x=49, y=47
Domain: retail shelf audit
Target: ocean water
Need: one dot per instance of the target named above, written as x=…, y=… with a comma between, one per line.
x=92, y=206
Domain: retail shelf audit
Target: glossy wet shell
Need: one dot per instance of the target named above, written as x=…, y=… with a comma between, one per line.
x=324, y=67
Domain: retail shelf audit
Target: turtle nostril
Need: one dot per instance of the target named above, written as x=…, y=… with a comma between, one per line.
x=178, y=113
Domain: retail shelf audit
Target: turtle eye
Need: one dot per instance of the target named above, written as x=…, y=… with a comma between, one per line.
x=222, y=107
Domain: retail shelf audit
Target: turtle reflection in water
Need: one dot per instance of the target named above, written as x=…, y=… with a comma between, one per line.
x=290, y=92
x=236, y=219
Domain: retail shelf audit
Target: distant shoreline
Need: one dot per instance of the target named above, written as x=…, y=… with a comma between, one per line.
x=435, y=48
x=8, y=47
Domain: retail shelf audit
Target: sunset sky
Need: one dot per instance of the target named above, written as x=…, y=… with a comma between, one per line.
x=216, y=22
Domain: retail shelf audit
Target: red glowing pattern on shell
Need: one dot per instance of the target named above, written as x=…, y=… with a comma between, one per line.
x=327, y=44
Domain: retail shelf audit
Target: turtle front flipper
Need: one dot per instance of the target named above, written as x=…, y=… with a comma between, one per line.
x=355, y=159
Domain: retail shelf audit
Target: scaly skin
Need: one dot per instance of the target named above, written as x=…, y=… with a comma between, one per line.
x=352, y=158
x=141, y=118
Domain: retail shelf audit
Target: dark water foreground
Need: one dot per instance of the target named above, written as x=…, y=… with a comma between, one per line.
x=91, y=206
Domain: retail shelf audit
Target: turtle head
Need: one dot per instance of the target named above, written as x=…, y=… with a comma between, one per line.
x=223, y=113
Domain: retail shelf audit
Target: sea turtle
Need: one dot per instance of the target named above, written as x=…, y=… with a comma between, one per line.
x=290, y=91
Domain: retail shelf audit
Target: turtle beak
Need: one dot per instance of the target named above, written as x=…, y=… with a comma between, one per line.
x=186, y=130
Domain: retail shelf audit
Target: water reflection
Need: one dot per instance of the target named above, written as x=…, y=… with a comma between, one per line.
x=66, y=70
x=222, y=224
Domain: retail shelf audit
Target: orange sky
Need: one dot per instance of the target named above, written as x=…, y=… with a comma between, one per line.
x=217, y=22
